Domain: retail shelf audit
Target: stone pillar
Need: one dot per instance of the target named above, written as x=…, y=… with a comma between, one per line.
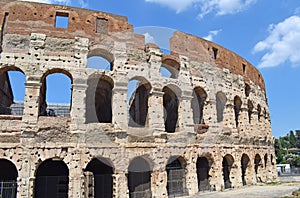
x=156, y=112
x=191, y=178
x=25, y=181
x=186, y=115
x=159, y=183
x=78, y=109
x=31, y=107
x=119, y=105
x=75, y=176
x=237, y=174
x=120, y=186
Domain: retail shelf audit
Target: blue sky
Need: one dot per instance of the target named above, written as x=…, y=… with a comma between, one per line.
x=265, y=32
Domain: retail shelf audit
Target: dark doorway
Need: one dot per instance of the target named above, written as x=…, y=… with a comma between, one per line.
x=98, y=178
x=203, y=174
x=176, y=177
x=52, y=179
x=244, y=164
x=227, y=164
x=8, y=179
x=139, y=178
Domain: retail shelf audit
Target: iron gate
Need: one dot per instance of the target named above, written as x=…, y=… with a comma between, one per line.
x=8, y=189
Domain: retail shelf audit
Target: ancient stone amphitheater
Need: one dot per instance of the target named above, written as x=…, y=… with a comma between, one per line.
x=203, y=126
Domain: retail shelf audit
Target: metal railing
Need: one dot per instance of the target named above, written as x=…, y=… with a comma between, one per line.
x=8, y=189
x=176, y=183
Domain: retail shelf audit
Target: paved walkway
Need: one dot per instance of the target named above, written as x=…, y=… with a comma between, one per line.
x=258, y=191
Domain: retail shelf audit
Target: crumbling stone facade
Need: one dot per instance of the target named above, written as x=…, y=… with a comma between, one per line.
x=206, y=127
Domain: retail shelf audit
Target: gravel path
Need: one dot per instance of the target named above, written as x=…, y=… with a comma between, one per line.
x=261, y=191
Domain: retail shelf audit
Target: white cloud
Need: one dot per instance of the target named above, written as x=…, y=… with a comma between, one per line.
x=282, y=44
x=220, y=7
x=149, y=38
x=211, y=34
x=82, y=3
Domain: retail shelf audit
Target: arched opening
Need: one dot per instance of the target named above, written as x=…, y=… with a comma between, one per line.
x=258, y=112
x=272, y=162
x=100, y=59
x=139, y=178
x=137, y=100
x=221, y=102
x=250, y=110
x=199, y=97
x=247, y=90
x=237, y=109
x=227, y=165
x=56, y=93
x=266, y=160
x=52, y=179
x=169, y=68
x=175, y=168
x=12, y=91
x=98, y=178
x=99, y=99
x=257, y=164
x=203, y=176
x=8, y=179
x=171, y=104
x=244, y=164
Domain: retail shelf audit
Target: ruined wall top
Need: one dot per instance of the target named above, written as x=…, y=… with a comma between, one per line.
x=28, y=17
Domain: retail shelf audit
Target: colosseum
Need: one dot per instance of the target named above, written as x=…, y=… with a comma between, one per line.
x=203, y=126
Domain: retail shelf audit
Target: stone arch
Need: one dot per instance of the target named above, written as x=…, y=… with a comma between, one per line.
x=245, y=163
x=100, y=56
x=43, y=106
x=257, y=164
x=250, y=110
x=176, y=177
x=99, y=99
x=198, y=102
x=139, y=177
x=272, y=159
x=265, y=160
x=221, y=100
x=227, y=163
x=98, y=176
x=8, y=178
x=203, y=166
x=247, y=89
x=171, y=65
x=171, y=99
x=51, y=179
x=237, y=109
x=138, y=101
x=8, y=77
x=258, y=112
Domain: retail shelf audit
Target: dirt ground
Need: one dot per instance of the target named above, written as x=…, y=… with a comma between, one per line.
x=257, y=191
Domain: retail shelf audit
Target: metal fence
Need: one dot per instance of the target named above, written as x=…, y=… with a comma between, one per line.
x=176, y=183
x=8, y=189
x=141, y=194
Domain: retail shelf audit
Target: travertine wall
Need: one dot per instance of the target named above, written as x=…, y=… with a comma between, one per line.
x=31, y=43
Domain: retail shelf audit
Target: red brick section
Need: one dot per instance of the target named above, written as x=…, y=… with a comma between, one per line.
x=201, y=50
x=27, y=17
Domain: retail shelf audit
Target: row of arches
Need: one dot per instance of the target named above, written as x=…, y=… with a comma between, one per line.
x=56, y=87
x=52, y=176
x=99, y=100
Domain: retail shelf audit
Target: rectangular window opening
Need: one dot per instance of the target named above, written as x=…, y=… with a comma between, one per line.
x=61, y=20
x=215, y=52
x=102, y=25
x=244, y=68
